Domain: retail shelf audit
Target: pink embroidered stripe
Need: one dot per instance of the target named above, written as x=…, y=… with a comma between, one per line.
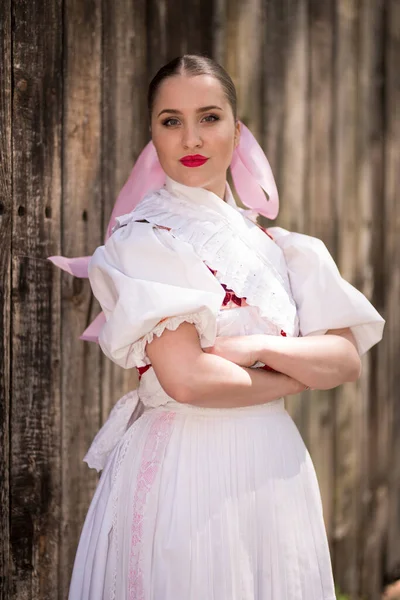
x=153, y=451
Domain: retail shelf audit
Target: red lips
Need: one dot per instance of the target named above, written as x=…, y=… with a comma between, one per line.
x=193, y=160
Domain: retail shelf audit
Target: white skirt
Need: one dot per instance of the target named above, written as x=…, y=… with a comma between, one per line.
x=206, y=504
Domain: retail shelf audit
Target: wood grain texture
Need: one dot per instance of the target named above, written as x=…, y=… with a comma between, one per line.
x=157, y=42
x=174, y=28
x=5, y=292
x=318, y=84
x=35, y=493
x=388, y=367
x=125, y=131
x=244, y=21
x=274, y=63
x=82, y=232
x=295, y=128
x=348, y=433
x=373, y=417
x=321, y=222
x=295, y=133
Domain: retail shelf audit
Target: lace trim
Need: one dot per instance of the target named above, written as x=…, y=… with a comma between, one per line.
x=111, y=432
x=115, y=499
x=153, y=452
x=226, y=248
x=116, y=485
x=137, y=350
x=116, y=424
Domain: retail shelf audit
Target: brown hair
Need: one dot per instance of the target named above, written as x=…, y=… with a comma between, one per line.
x=192, y=65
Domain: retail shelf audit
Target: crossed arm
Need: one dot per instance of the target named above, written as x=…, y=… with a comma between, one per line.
x=319, y=362
x=220, y=377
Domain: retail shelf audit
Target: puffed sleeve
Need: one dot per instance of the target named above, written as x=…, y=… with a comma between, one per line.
x=146, y=281
x=323, y=298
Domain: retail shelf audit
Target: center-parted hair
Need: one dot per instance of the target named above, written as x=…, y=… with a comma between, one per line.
x=192, y=65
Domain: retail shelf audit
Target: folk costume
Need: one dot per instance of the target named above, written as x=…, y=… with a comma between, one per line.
x=206, y=503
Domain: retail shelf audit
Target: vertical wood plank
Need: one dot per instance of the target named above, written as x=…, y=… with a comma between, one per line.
x=389, y=369
x=294, y=155
x=219, y=44
x=245, y=22
x=295, y=98
x=82, y=232
x=274, y=64
x=5, y=292
x=175, y=29
x=292, y=188
x=348, y=430
x=333, y=142
x=321, y=221
x=124, y=133
x=35, y=417
x=198, y=32
x=157, y=42
x=373, y=460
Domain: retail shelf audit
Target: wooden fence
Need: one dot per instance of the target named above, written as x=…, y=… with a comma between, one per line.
x=318, y=83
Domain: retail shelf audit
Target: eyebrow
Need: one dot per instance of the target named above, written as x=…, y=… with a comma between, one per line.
x=199, y=110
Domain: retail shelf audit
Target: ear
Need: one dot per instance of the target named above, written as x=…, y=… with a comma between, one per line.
x=237, y=133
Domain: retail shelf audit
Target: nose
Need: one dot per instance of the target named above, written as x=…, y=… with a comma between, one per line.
x=191, y=136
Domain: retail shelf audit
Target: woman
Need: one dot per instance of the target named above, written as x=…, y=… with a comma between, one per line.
x=210, y=493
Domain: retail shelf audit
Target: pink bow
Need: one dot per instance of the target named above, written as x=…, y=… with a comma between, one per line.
x=251, y=174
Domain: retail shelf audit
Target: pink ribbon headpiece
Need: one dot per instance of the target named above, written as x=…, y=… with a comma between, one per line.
x=251, y=174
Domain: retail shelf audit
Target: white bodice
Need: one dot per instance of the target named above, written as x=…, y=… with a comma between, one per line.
x=154, y=273
x=245, y=320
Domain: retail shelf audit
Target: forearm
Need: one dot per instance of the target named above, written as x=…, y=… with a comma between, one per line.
x=321, y=362
x=191, y=376
x=218, y=383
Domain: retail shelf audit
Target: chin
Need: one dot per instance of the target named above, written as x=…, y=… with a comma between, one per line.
x=191, y=178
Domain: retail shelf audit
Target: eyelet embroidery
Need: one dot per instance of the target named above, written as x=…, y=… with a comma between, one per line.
x=153, y=452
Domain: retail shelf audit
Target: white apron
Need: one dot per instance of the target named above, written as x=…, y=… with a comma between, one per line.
x=202, y=503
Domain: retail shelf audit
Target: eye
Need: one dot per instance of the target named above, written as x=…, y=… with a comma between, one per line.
x=167, y=121
x=214, y=117
x=172, y=121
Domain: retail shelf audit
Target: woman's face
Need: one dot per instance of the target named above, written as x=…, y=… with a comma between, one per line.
x=191, y=116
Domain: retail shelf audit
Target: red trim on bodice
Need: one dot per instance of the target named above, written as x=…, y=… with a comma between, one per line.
x=230, y=296
x=142, y=370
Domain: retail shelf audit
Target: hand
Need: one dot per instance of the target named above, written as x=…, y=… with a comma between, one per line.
x=241, y=350
x=298, y=387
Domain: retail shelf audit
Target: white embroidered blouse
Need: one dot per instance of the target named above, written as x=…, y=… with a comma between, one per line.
x=183, y=254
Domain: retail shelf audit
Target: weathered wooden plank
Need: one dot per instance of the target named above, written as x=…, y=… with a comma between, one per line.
x=35, y=493
x=348, y=429
x=82, y=232
x=175, y=29
x=295, y=100
x=219, y=29
x=292, y=189
x=264, y=47
x=244, y=24
x=125, y=131
x=373, y=460
x=5, y=292
x=157, y=38
x=274, y=64
x=124, y=78
x=389, y=369
x=198, y=32
x=187, y=31
x=320, y=221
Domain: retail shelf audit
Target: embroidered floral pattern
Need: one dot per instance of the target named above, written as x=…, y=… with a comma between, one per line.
x=153, y=452
x=257, y=275
x=116, y=485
